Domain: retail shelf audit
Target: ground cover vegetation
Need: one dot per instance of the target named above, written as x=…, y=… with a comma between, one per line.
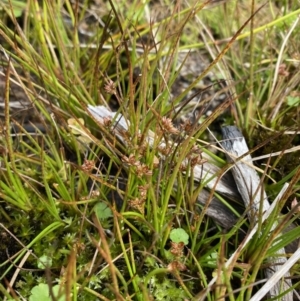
x=87, y=216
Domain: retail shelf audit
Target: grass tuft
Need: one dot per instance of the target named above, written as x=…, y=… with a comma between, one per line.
x=89, y=212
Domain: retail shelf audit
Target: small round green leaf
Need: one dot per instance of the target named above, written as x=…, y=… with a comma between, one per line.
x=179, y=235
x=40, y=292
x=102, y=211
x=44, y=262
x=293, y=101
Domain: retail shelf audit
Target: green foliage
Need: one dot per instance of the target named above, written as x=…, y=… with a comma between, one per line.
x=102, y=211
x=293, y=101
x=13, y=7
x=44, y=262
x=166, y=290
x=41, y=292
x=119, y=220
x=179, y=235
